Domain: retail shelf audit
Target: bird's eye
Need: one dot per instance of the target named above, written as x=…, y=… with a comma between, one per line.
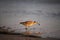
x=34, y=21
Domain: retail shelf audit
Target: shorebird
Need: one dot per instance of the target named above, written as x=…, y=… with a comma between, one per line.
x=28, y=24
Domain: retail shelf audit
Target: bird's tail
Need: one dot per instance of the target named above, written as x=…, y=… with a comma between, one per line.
x=21, y=22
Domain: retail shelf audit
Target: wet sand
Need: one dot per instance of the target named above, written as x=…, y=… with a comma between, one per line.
x=19, y=37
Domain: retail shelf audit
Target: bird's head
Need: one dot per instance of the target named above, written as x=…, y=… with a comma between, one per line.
x=36, y=23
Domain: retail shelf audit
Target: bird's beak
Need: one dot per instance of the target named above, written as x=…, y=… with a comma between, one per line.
x=38, y=23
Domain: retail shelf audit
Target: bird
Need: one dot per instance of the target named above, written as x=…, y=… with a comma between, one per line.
x=28, y=24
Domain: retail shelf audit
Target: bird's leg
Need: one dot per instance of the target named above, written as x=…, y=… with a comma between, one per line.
x=26, y=28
